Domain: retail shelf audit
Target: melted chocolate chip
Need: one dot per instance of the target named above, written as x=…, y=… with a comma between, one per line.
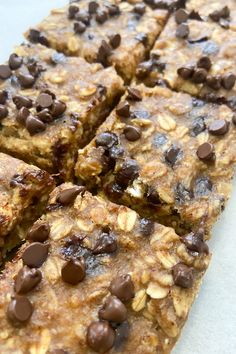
x=182, y=31
x=146, y=227
x=19, y=310
x=27, y=279
x=204, y=62
x=106, y=243
x=128, y=172
x=183, y=276
x=35, y=255
x=58, y=108
x=114, y=190
x=132, y=133
x=123, y=109
x=26, y=80
x=194, y=242
x=198, y=126
x=218, y=127
x=205, y=152
x=67, y=196
x=115, y=40
x=134, y=94
x=39, y=232
x=3, y=111
x=113, y=310
x=73, y=271
x=122, y=287
x=106, y=140
x=15, y=61
x=3, y=96
x=100, y=336
x=37, y=37
x=34, y=125
x=228, y=81
x=186, y=72
x=172, y=155
x=5, y=72
x=22, y=101
x=181, y=16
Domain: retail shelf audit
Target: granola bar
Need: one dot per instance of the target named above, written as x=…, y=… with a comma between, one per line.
x=101, y=280
x=167, y=155
x=109, y=32
x=24, y=191
x=193, y=56
x=50, y=106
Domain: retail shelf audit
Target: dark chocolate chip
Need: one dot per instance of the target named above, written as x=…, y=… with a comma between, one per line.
x=183, y=276
x=22, y=115
x=225, y=12
x=27, y=279
x=194, y=15
x=203, y=186
x=106, y=139
x=58, y=108
x=144, y=69
x=152, y=196
x=113, y=9
x=73, y=272
x=15, y=61
x=113, y=310
x=34, y=125
x=19, y=310
x=44, y=100
x=134, y=94
x=116, y=152
x=35, y=255
x=215, y=16
x=22, y=101
x=3, y=111
x=92, y=7
x=39, y=232
x=37, y=37
x=128, y=172
x=194, y=242
x=26, y=80
x=115, y=40
x=228, y=81
x=186, y=72
x=104, y=52
x=132, y=133
x=181, y=16
x=214, y=82
x=79, y=27
x=122, y=287
x=72, y=10
x=106, y=243
x=101, y=16
x=204, y=62
x=123, y=109
x=172, y=154
x=198, y=126
x=139, y=9
x=199, y=76
x=218, y=127
x=45, y=116
x=100, y=336
x=182, y=31
x=67, y=196
x=205, y=152
x=5, y=72
x=83, y=16
x=114, y=190
x=146, y=227
x=3, y=96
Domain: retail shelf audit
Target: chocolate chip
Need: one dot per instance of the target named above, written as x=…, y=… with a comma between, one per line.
x=35, y=255
x=22, y=115
x=215, y=16
x=113, y=310
x=194, y=15
x=139, y=9
x=104, y=52
x=152, y=196
x=214, y=82
x=26, y=80
x=15, y=61
x=206, y=152
x=194, y=242
x=72, y=10
x=92, y=7
x=122, y=287
x=44, y=100
x=34, y=125
x=199, y=76
x=116, y=152
x=114, y=190
x=58, y=108
x=67, y=196
x=218, y=127
x=3, y=96
x=100, y=336
x=172, y=154
x=186, y=72
x=39, y=232
x=123, y=109
x=79, y=27
x=182, y=194
x=134, y=94
x=5, y=72
x=142, y=38
x=225, y=12
x=83, y=16
x=183, y=276
x=228, y=81
x=27, y=279
x=3, y=111
x=106, y=139
x=115, y=40
x=128, y=172
x=182, y=31
x=146, y=227
x=204, y=62
x=101, y=16
x=113, y=9
x=122, y=334
x=181, y=16
x=73, y=272
x=198, y=126
x=45, y=116
x=132, y=133
x=105, y=244
x=22, y=101
x=37, y=37
x=19, y=310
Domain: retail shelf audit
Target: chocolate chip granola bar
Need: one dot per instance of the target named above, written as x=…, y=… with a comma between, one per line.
x=24, y=191
x=99, y=279
x=102, y=31
x=165, y=154
x=50, y=105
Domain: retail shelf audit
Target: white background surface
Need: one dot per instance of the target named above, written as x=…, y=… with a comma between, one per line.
x=211, y=328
